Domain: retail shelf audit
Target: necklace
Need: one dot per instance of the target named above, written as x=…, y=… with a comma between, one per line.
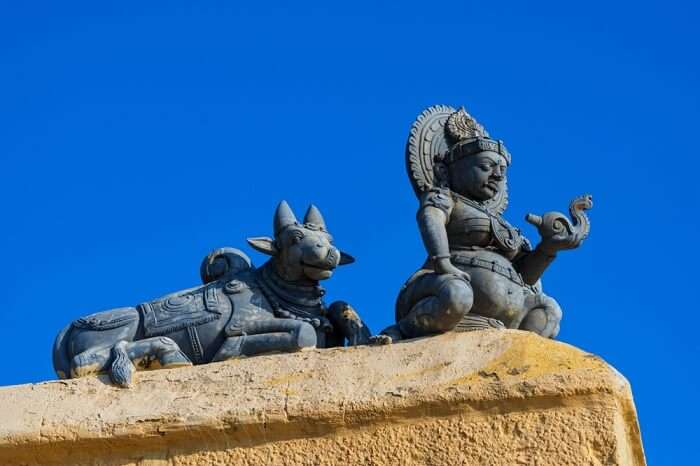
x=505, y=236
x=289, y=301
x=477, y=205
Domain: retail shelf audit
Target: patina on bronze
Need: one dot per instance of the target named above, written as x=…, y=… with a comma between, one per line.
x=481, y=272
x=238, y=311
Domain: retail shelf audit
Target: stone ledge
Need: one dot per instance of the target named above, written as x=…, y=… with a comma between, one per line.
x=488, y=397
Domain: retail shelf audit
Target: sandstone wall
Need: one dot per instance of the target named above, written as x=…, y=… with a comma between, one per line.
x=490, y=397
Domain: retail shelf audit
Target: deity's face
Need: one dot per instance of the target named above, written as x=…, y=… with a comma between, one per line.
x=479, y=176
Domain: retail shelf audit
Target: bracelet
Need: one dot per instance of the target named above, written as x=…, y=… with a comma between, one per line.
x=441, y=256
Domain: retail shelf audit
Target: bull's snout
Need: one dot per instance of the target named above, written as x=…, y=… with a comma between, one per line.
x=333, y=258
x=318, y=263
x=322, y=257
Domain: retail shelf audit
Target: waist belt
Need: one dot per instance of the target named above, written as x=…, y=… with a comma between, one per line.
x=493, y=266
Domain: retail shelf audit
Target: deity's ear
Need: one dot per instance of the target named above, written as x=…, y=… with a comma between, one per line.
x=263, y=244
x=345, y=258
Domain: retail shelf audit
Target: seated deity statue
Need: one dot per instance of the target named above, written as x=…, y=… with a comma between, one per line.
x=481, y=272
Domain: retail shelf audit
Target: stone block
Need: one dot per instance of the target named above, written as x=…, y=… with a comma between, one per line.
x=487, y=397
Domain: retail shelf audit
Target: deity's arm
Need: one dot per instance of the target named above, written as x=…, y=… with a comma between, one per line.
x=557, y=233
x=532, y=264
x=431, y=222
x=436, y=206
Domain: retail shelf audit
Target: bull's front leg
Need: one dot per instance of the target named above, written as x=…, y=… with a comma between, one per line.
x=267, y=336
x=348, y=322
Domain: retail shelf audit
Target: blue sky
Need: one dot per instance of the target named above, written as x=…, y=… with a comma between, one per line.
x=137, y=136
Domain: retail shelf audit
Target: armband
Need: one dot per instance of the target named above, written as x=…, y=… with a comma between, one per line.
x=438, y=198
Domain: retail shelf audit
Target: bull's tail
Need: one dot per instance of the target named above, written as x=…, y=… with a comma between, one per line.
x=61, y=364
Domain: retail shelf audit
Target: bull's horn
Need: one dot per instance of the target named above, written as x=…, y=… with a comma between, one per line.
x=313, y=215
x=283, y=217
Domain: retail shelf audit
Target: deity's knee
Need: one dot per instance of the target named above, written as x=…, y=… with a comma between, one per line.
x=442, y=301
x=456, y=298
x=543, y=317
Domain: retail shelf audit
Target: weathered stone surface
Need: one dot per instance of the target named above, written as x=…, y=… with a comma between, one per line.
x=488, y=397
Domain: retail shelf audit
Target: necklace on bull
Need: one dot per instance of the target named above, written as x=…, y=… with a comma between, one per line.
x=304, y=302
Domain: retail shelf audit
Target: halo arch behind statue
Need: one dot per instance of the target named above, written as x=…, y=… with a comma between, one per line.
x=426, y=146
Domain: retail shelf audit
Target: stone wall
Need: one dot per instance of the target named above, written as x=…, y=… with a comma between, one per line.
x=489, y=397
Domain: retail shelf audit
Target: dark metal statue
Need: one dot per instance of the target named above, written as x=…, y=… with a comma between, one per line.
x=481, y=272
x=238, y=311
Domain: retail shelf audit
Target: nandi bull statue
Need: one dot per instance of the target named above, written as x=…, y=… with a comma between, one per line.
x=481, y=272
x=238, y=311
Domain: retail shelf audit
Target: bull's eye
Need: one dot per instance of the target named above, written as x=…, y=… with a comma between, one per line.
x=297, y=237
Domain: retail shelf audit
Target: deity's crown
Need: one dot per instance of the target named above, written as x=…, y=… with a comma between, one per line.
x=468, y=137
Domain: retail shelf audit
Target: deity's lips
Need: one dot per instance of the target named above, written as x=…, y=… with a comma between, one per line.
x=492, y=186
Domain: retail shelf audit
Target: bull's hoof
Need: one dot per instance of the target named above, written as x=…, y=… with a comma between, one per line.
x=173, y=359
x=306, y=336
x=380, y=340
x=393, y=333
x=84, y=364
x=122, y=368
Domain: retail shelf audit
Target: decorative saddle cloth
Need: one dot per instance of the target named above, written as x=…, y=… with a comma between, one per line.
x=107, y=320
x=188, y=308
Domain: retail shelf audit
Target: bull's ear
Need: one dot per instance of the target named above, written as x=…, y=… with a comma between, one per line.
x=345, y=258
x=263, y=244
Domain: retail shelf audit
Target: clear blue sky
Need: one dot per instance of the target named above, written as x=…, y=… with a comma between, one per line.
x=136, y=137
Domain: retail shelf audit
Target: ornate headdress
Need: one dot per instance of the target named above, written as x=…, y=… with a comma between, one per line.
x=469, y=137
x=442, y=135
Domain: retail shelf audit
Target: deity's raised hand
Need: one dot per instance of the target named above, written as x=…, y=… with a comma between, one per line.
x=558, y=232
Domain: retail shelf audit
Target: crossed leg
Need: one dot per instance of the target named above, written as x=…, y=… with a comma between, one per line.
x=431, y=303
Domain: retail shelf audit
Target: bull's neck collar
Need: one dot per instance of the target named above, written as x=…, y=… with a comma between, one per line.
x=307, y=293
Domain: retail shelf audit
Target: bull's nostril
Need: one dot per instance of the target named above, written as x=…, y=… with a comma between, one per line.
x=332, y=258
